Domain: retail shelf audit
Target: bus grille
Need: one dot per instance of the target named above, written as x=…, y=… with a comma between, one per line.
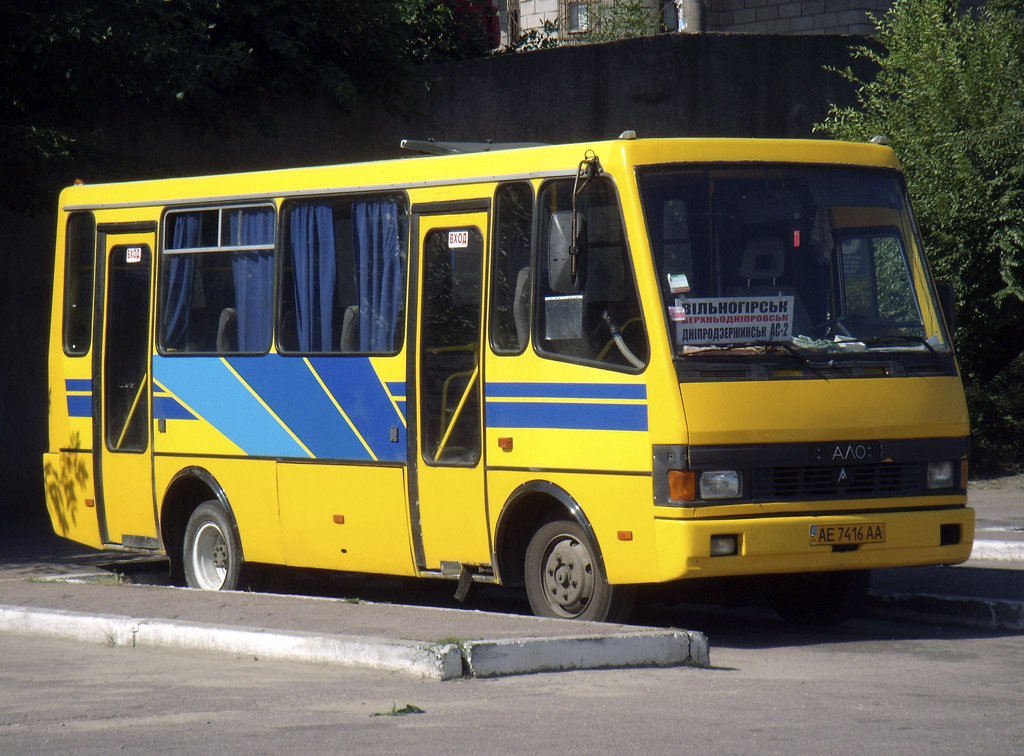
x=812, y=482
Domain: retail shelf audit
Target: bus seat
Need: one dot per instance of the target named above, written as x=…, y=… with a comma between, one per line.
x=764, y=259
x=521, y=306
x=288, y=336
x=762, y=265
x=227, y=330
x=350, y=329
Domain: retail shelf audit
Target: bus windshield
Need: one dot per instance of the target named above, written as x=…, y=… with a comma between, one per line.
x=809, y=258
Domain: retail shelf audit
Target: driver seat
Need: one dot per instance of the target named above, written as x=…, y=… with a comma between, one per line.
x=761, y=267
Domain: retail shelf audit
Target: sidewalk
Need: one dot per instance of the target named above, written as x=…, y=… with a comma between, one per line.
x=442, y=643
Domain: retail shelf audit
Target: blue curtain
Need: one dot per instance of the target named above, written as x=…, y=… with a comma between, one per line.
x=254, y=277
x=313, y=262
x=378, y=272
x=178, y=290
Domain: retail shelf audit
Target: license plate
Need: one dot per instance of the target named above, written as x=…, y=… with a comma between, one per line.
x=841, y=535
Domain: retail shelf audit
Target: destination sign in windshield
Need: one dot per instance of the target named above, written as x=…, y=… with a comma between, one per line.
x=732, y=320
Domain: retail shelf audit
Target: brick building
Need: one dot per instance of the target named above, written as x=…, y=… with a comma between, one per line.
x=571, y=19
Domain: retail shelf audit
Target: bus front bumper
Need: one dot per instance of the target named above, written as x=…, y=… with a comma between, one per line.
x=800, y=543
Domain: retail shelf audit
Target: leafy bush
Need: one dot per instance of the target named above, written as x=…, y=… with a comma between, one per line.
x=949, y=93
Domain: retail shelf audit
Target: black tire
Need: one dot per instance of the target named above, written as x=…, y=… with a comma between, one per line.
x=211, y=554
x=819, y=598
x=565, y=579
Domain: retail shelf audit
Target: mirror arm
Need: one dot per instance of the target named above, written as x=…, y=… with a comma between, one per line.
x=590, y=167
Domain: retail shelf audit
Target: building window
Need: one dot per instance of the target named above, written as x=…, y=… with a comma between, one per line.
x=577, y=18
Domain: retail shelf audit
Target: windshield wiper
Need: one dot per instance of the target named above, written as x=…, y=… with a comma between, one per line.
x=802, y=357
x=763, y=348
x=902, y=339
x=714, y=348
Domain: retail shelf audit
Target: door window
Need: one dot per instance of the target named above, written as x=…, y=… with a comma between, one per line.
x=126, y=358
x=450, y=346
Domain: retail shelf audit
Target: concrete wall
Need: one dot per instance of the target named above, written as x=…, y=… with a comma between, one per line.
x=671, y=85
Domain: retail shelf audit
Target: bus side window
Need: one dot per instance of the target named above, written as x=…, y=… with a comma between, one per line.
x=343, y=275
x=217, y=280
x=602, y=321
x=511, y=280
x=79, y=263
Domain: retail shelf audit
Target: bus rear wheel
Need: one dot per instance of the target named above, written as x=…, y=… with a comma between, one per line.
x=212, y=555
x=565, y=579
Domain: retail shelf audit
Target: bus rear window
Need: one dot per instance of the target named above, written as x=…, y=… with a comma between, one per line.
x=79, y=263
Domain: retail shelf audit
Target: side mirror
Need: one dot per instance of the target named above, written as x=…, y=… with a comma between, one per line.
x=947, y=301
x=560, y=243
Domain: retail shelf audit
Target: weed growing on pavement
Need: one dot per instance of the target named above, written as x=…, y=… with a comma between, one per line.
x=396, y=712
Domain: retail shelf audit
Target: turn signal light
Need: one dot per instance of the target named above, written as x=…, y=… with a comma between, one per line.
x=681, y=485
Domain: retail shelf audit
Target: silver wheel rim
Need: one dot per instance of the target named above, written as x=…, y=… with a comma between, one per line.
x=568, y=576
x=210, y=557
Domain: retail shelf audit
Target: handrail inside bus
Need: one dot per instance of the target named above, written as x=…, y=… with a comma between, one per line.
x=458, y=409
x=131, y=412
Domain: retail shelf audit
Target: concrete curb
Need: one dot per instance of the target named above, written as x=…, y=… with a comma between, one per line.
x=960, y=611
x=998, y=551
x=440, y=661
x=656, y=648
x=437, y=661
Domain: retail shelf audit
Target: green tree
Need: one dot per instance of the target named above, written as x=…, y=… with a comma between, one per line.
x=948, y=91
x=610, y=20
x=67, y=67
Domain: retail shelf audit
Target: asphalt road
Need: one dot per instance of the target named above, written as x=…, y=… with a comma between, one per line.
x=872, y=684
x=868, y=687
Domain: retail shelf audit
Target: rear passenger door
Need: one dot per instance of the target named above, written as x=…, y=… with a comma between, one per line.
x=122, y=393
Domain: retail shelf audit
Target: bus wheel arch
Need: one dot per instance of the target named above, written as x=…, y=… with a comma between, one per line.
x=529, y=506
x=541, y=523
x=190, y=489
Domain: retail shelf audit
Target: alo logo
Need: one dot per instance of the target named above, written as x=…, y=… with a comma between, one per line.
x=846, y=452
x=840, y=478
x=851, y=453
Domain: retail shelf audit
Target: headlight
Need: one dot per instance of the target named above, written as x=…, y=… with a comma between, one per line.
x=940, y=475
x=720, y=484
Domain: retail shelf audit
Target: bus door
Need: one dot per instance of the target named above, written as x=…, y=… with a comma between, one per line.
x=122, y=386
x=447, y=498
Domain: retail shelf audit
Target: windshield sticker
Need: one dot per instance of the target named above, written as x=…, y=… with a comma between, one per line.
x=732, y=320
x=678, y=283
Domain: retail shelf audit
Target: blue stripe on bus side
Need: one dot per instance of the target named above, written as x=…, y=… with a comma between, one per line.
x=78, y=384
x=509, y=390
x=80, y=405
x=567, y=415
x=207, y=386
x=168, y=408
x=358, y=390
x=293, y=393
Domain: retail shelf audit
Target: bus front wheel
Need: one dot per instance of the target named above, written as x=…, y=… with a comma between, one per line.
x=212, y=555
x=565, y=579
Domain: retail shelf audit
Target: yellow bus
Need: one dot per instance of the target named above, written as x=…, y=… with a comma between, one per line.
x=575, y=368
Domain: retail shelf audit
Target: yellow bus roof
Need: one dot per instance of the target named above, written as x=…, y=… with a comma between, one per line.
x=617, y=156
